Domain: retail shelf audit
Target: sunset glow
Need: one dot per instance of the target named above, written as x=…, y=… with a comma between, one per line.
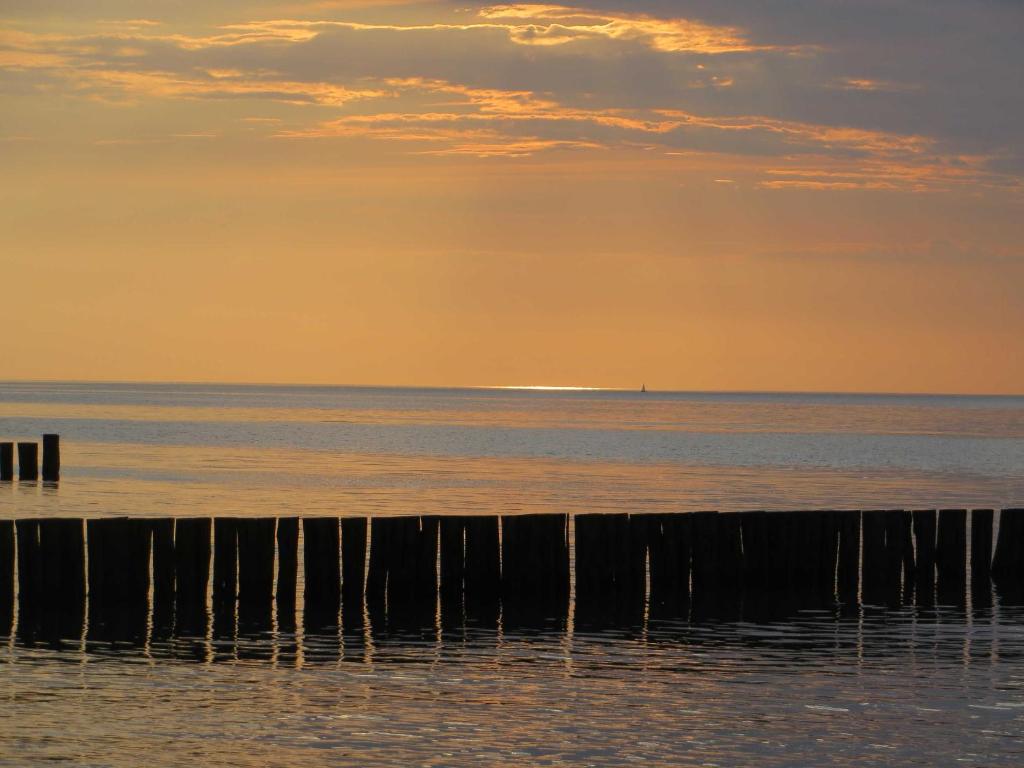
x=739, y=196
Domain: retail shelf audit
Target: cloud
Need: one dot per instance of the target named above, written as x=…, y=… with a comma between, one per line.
x=523, y=79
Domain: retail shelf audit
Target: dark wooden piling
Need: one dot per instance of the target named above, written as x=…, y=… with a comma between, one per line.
x=534, y=571
x=225, y=575
x=814, y=554
x=823, y=540
x=287, y=571
x=405, y=556
x=848, y=567
x=256, y=573
x=981, y=550
x=51, y=458
x=28, y=461
x=353, y=572
x=899, y=554
x=30, y=579
x=6, y=576
x=925, y=526
x=951, y=556
x=162, y=534
x=482, y=578
x=62, y=553
x=377, y=570
x=453, y=569
x=119, y=555
x=192, y=574
x=6, y=461
x=668, y=545
x=610, y=557
x=875, y=584
x=1008, y=561
x=322, y=564
x=717, y=564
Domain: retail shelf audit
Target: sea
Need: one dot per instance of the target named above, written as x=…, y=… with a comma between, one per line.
x=880, y=685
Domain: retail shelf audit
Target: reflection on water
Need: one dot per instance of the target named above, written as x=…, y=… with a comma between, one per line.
x=909, y=686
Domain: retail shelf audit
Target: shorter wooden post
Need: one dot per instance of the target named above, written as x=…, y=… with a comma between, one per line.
x=6, y=461
x=51, y=458
x=28, y=461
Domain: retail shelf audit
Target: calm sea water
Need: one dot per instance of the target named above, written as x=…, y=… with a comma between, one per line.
x=206, y=449
x=875, y=686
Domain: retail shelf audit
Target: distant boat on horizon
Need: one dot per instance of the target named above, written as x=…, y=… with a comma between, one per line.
x=643, y=387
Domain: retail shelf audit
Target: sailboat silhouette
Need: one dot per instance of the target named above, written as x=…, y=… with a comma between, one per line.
x=643, y=387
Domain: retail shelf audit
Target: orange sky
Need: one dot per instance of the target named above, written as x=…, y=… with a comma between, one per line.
x=694, y=195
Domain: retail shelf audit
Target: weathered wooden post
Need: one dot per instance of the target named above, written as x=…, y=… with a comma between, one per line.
x=6, y=575
x=453, y=570
x=62, y=553
x=321, y=549
x=353, y=572
x=668, y=543
x=51, y=458
x=30, y=577
x=162, y=531
x=535, y=570
x=6, y=461
x=287, y=571
x=981, y=549
x=951, y=555
x=28, y=461
x=482, y=579
x=924, y=568
x=1008, y=563
x=610, y=555
x=119, y=578
x=192, y=574
x=225, y=575
x=256, y=573
x=848, y=568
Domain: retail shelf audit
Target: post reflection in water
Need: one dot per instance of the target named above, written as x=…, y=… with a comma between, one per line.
x=538, y=638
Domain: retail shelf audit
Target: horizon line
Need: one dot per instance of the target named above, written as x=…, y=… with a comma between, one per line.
x=564, y=389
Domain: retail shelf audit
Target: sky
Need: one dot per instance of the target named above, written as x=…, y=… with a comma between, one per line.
x=707, y=194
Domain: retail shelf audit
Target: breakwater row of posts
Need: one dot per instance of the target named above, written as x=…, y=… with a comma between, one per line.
x=122, y=578
x=28, y=460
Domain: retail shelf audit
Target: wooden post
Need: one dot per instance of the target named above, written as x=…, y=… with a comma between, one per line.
x=951, y=555
x=321, y=548
x=482, y=582
x=873, y=566
x=1008, y=563
x=287, y=571
x=453, y=570
x=192, y=574
x=981, y=548
x=30, y=578
x=256, y=573
x=118, y=578
x=848, y=568
x=924, y=570
x=51, y=458
x=62, y=553
x=6, y=461
x=225, y=575
x=535, y=570
x=6, y=576
x=353, y=572
x=668, y=542
x=28, y=461
x=897, y=540
x=162, y=531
